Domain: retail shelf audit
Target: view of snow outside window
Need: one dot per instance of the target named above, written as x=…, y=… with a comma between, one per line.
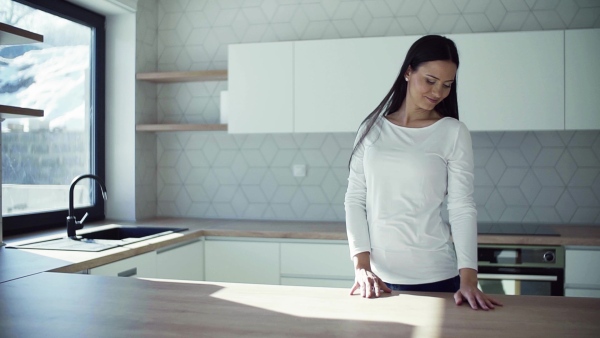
x=41, y=156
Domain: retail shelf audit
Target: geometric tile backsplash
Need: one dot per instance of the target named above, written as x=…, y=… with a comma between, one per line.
x=537, y=176
x=519, y=176
x=532, y=176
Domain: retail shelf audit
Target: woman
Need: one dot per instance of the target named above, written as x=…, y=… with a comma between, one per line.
x=411, y=152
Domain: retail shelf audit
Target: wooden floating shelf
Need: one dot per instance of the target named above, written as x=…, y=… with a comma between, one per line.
x=180, y=127
x=7, y=112
x=190, y=76
x=10, y=35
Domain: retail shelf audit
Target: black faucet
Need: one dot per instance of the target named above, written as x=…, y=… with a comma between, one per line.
x=72, y=223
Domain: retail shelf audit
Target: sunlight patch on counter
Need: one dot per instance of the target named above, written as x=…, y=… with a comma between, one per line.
x=424, y=313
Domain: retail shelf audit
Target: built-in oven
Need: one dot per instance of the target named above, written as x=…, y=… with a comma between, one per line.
x=521, y=269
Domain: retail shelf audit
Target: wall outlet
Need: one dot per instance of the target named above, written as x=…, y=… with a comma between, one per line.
x=299, y=170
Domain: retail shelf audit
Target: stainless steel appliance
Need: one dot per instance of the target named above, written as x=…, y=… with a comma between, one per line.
x=521, y=269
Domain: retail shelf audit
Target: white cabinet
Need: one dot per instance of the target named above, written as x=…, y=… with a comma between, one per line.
x=279, y=261
x=317, y=263
x=143, y=266
x=582, y=71
x=337, y=83
x=300, y=262
x=511, y=81
x=183, y=261
x=581, y=292
x=506, y=81
x=582, y=272
x=242, y=260
x=260, y=88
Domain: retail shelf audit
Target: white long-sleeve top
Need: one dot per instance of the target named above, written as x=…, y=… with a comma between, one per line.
x=398, y=180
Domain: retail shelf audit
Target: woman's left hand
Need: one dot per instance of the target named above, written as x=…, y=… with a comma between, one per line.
x=469, y=291
x=475, y=298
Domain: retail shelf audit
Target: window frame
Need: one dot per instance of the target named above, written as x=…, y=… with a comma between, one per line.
x=53, y=219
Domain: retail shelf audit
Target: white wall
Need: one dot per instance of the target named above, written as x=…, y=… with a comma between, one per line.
x=120, y=116
x=519, y=176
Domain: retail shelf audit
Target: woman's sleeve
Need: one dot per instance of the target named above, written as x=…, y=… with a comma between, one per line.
x=462, y=213
x=355, y=204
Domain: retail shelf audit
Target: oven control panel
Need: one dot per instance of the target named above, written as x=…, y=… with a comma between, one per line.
x=526, y=255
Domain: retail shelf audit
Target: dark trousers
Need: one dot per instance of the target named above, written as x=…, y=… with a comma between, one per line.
x=448, y=285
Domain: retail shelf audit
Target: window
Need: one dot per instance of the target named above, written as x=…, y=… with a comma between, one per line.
x=64, y=76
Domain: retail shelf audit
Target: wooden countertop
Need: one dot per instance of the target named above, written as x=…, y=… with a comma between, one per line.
x=566, y=234
x=70, y=305
x=73, y=261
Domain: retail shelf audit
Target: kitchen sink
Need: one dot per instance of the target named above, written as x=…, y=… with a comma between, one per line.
x=102, y=238
x=128, y=233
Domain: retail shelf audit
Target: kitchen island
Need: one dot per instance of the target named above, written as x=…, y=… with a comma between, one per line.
x=72, y=305
x=35, y=302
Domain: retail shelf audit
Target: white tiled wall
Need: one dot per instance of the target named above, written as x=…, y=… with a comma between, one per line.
x=520, y=176
x=145, y=110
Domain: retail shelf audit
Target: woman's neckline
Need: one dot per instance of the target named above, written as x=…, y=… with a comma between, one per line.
x=416, y=128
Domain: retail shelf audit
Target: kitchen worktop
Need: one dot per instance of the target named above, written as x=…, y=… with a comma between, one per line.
x=71, y=305
x=19, y=262
x=565, y=234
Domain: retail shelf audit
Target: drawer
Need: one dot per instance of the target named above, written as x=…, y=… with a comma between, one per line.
x=241, y=261
x=318, y=282
x=589, y=293
x=142, y=266
x=316, y=260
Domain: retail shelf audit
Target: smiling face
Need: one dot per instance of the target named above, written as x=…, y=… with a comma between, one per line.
x=429, y=84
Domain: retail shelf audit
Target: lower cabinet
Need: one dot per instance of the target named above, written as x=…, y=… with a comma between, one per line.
x=581, y=292
x=183, y=261
x=241, y=260
x=143, y=266
x=299, y=262
x=582, y=272
x=322, y=263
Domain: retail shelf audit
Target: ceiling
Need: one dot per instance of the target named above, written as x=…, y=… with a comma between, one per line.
x=108, y=7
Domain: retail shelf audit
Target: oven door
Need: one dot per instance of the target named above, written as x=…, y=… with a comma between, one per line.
x=521, y=281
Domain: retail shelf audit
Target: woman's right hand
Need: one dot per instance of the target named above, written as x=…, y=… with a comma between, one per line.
x=365, y=280
x=369, y=284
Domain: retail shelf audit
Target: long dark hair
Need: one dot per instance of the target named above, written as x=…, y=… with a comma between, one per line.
x=425, y=49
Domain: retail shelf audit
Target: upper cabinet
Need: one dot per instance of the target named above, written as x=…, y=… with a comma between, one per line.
x=261, y=88
x=511, y=81
x=337, y=83
x=10, y=35
x=541, y=80
x=582, y=79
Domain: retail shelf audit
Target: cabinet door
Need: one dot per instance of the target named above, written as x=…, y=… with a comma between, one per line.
x=582, y=272
x=511, y=81
x=582, y=267
x=181, y=261
x=337, y=83
x=316, y=264
x=582, y=71
x=143, y=266
x=260, y=88
x=241, y=261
